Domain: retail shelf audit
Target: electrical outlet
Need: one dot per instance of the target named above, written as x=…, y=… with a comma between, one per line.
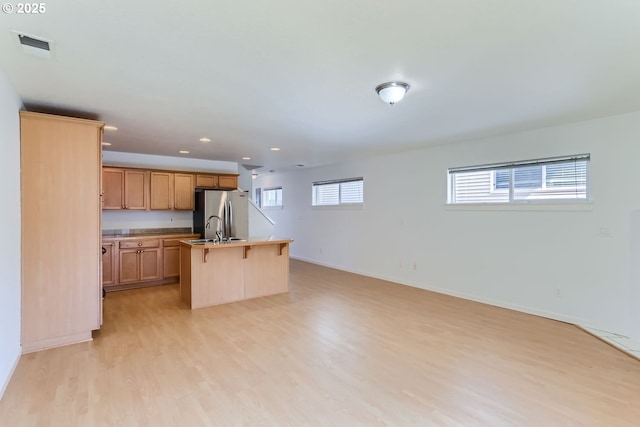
x=558, y=293
x=415, y=266
x=604, y=231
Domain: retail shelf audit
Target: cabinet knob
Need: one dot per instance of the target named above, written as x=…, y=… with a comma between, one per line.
x=140, y=244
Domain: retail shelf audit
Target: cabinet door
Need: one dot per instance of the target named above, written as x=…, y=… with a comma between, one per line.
x=171, y=261
x=60, y=171
x=228, y=182
x=162, y=190
x=108, y=265
x=206, y=181
x=129, y=266
x=150, y=264
x=184, y=192
x=112, y=188
x=135, y=189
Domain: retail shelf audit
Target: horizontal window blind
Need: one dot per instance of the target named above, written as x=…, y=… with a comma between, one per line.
x=338, y=192
x=558, y=178
x=272, y=197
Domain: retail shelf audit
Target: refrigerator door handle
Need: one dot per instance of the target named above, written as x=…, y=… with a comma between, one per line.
x=230, y=218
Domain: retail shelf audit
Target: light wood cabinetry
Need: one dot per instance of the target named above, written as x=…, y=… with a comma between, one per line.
x=61, y=247
x=172, y=191
x=227, y=182
x=108, y=264
x=171, y=258
x=140, y=260
x=144, y=189
x=215, y=274
x=124, y=189
x=221, y=182
x=206, y=181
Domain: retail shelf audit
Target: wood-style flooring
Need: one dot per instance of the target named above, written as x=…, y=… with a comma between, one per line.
x=338, y=350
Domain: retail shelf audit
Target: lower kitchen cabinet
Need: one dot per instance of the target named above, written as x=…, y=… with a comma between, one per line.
x=171, y=255
x=144, y=261
x=108, y=264
x=140, y=260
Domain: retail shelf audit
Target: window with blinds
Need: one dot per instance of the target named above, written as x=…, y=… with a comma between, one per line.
x=552, y=179
x=338, y=192
x=272, y=197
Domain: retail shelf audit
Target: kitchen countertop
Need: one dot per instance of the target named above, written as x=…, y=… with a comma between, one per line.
x=161, y=235
x=252, y=241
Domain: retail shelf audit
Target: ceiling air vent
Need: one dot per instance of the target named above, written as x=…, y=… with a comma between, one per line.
x=35, y=46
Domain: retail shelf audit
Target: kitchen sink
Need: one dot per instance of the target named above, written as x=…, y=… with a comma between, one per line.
x=200, y=241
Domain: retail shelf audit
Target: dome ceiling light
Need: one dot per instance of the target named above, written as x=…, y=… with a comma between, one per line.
x=392, y=92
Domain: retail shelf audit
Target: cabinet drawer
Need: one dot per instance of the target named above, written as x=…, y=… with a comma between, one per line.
x=170, y=242
x=146, y=243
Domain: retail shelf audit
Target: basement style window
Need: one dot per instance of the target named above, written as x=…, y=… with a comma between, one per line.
x=552, y=179
x=272, y=197
x=348, y=191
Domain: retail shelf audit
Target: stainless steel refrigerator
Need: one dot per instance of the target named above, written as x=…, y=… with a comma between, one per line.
x=221, y=214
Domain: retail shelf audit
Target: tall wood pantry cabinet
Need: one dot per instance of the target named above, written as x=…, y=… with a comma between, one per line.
x=61, y=234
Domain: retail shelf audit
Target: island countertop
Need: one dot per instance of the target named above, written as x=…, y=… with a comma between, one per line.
x=251, y=241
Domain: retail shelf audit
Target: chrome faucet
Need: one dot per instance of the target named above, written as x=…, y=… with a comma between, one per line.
x=218, y=232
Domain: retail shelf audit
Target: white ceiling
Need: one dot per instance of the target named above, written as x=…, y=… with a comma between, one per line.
x=300, y=74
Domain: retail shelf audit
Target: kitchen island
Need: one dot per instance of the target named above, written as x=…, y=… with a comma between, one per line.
x=220, y=273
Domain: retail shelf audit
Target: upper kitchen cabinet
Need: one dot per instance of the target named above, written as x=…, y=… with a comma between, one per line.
x=221, y=182
x=124, y=189
x=206, y=181
x=172, y=191
x=227, y=182
x=61, y=235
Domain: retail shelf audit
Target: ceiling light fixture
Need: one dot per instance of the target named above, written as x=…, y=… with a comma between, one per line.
x=254, y=175
x=109, y=127
x=274, y=149
x=106, y=143
x=205, y=139
x=183, y=152
x=246, y=158
x=392, y=92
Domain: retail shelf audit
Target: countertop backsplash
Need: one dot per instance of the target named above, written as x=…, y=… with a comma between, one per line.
x=145, y=231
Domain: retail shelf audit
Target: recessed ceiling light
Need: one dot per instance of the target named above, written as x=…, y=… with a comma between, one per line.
x=183, y=152
x=109, y=127
x=246, y=158
x=205, y=139
x=106, y=143
x=274, y=149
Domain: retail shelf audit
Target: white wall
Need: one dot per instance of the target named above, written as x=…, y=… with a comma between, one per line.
x=519, y=259
x=118, y=158
x=157, y=219
x=10, y=349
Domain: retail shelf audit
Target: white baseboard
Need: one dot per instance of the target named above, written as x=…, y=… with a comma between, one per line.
x=11, y=371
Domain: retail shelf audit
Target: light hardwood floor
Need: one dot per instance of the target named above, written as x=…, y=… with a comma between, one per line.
x=338, y=350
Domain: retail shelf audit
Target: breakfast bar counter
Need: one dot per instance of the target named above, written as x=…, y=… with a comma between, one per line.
x=220, y=273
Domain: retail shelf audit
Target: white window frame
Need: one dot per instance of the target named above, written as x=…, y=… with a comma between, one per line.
x=340, y=204
x=511, y=166
x=265, y=197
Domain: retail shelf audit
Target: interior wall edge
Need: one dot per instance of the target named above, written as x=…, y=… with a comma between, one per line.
x=11, y=371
